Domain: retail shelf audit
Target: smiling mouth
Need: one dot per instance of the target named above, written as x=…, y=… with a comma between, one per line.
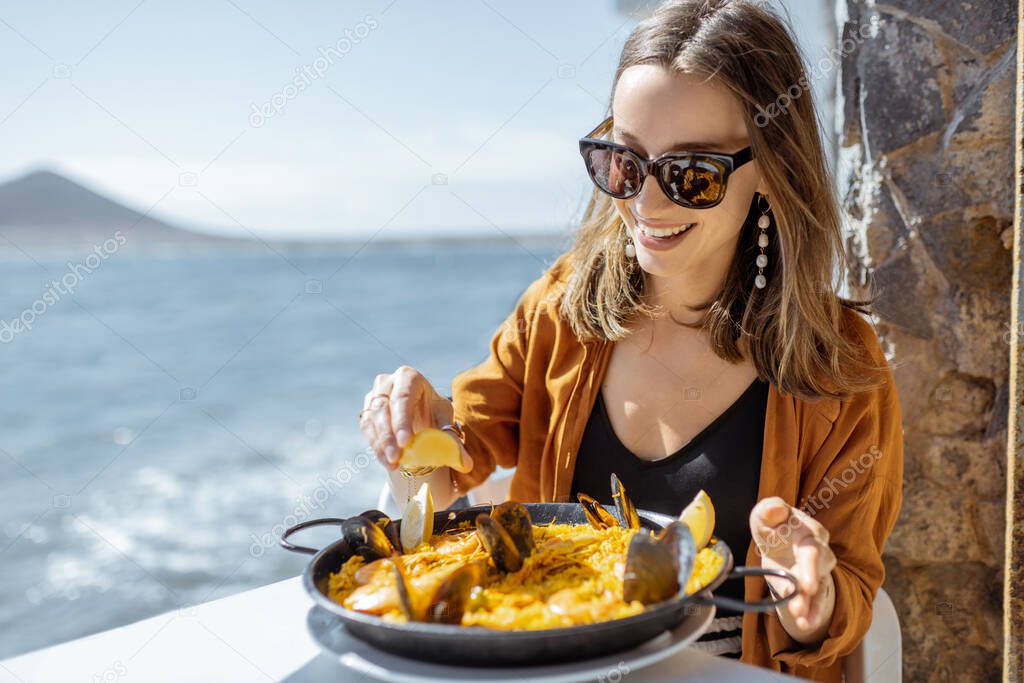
x=663, y=232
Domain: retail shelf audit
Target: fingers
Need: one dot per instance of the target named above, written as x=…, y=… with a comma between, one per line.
x=798, y=607
x=806, y=571
x=374, y=421
x=406, y=404
x=385, y=443
x=791, y=539
x=819, y=604
x=809, y=610
x=394, y=410
x=765, y=518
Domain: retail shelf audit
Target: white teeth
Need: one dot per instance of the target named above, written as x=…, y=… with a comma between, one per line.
x=663, y=232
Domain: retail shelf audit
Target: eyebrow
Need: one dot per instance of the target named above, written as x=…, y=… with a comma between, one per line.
x=687, y=146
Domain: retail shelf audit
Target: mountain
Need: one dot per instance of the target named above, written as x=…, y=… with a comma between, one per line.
x=45, y=208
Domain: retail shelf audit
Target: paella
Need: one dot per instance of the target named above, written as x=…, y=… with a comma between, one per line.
x=503, y=570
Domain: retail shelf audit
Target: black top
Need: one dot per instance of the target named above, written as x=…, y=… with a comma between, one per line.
x=724, y=459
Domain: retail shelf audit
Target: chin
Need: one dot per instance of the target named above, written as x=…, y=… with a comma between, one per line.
x=659, y=265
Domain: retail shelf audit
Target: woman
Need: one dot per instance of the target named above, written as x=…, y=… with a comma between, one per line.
x=693, y=338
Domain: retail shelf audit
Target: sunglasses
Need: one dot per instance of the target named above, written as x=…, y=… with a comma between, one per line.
x=696, y=180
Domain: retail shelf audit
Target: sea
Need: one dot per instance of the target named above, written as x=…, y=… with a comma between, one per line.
x=163, y=416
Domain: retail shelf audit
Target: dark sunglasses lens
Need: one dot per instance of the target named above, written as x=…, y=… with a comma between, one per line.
x=614, y=172
x=695, y=182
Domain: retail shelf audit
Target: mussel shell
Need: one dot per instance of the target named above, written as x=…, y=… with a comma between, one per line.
x=378, y=517
x=499, y=544
x=382, y=520
x=650, y=574
x=406, y=598
x=627, y=510
x=678, y=538
x=450, y=599
x=515, y=519
x=366, y=539
x=595, y=512
x=658, y=567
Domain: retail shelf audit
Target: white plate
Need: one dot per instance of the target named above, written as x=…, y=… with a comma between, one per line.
x=329, y=632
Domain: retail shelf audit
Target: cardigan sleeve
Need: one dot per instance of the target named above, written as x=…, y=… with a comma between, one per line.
x=853, y=487
x=487, y=397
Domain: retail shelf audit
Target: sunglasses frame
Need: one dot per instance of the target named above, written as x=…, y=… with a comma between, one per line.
x=731, y=162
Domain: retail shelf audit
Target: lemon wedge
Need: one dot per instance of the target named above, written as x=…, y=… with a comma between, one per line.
x=418, y=520
x=699, y=515
x=431, y=447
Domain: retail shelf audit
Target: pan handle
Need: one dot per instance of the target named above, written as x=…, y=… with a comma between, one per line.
x=741, y=606
x=287, y=545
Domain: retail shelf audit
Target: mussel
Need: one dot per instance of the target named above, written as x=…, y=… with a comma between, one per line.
x=367, y=539
x=600, y=518
x=507, y=534
x=515, y=518
x=658, y=566
x=449, y=600
x=627, y=510
x=595, y=512
x=455, y=593
x=382, y=520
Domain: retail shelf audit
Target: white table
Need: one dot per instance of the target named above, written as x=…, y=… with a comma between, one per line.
x=260, y=635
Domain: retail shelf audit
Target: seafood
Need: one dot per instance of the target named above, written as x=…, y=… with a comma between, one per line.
x=507, y=533
x=448, y=602
x=366, y=538
x=627, y=511
x=596, y=514
x=504, y=570
x=657, y=567
x=384, y=522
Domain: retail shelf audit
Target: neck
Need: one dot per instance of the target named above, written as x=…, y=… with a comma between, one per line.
x=687, y=294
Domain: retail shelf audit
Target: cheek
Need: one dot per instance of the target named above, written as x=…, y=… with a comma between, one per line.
x=726, y=220
x=726, y=224
x=623, y=211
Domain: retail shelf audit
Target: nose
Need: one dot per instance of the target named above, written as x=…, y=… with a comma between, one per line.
x=652, y=203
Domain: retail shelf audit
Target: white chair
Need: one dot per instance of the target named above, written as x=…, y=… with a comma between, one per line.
x=878, y=659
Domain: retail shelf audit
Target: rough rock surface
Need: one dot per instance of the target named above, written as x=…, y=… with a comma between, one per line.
x=926, y=176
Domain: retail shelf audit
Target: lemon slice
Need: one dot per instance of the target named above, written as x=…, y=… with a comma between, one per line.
x=418, y=520
x=699, y=515
x=431, y=447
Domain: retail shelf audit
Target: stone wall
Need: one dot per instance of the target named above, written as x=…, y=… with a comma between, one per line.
x=926, y=176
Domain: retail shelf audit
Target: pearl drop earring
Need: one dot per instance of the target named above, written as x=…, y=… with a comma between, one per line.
x=630, y=248
x=763, y=222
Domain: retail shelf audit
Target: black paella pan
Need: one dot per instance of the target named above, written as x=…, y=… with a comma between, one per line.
x=479, y=646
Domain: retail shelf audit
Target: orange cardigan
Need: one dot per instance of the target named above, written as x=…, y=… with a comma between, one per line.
x=526, y=404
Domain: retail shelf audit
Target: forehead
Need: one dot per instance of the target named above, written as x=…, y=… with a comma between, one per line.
x=663, y=110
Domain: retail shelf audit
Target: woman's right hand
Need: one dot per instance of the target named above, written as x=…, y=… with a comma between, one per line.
x=399, y=405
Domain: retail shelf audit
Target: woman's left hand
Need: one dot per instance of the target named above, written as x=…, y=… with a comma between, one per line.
x=790, y=539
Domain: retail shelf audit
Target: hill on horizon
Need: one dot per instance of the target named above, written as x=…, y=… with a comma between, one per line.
x=46, y=208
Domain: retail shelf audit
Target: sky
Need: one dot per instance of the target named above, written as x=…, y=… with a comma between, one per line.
x=317, y=119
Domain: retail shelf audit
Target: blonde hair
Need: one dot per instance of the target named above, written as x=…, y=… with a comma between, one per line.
x=793, y=325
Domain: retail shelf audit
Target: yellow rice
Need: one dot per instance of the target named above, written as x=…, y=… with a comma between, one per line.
x=573, y=576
